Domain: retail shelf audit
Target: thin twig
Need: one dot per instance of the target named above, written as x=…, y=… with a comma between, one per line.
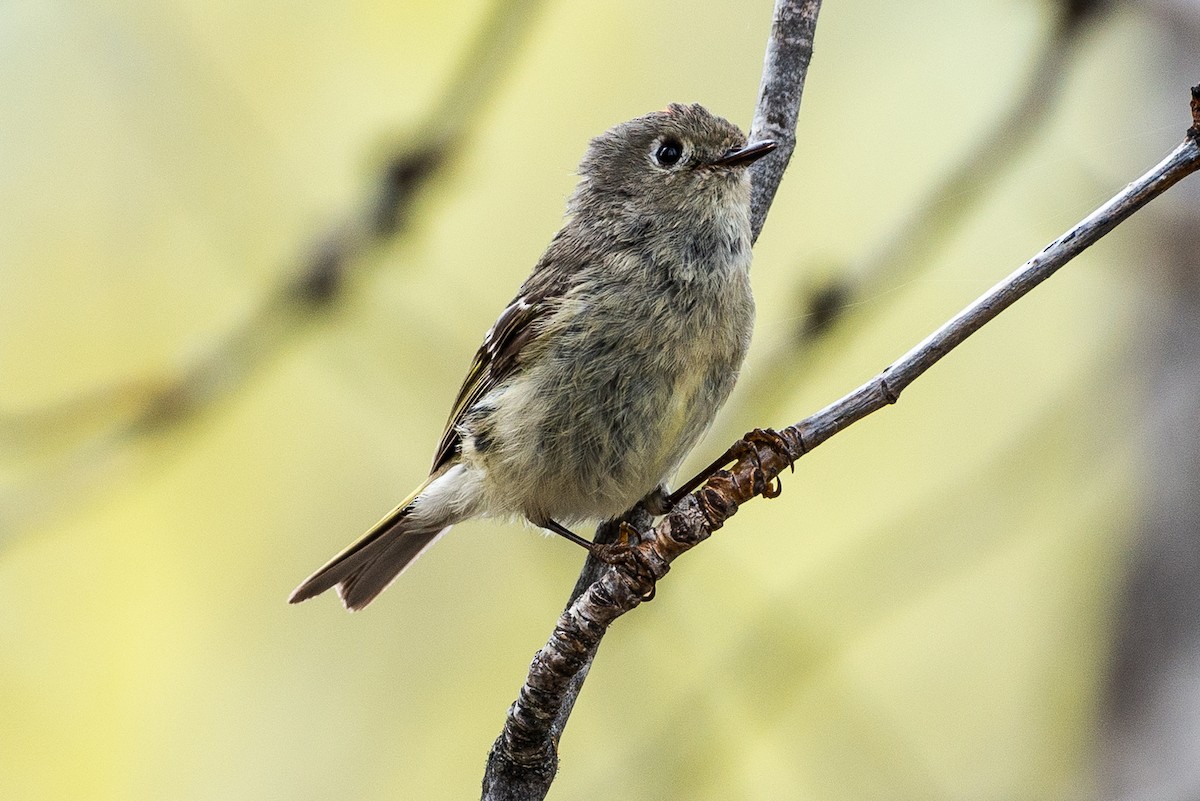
x=524, y=759
x=761, y=457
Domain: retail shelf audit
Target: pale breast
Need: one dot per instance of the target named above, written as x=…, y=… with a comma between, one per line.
x=628, y=379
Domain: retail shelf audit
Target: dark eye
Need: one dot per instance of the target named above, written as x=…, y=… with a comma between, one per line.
x=669, y=152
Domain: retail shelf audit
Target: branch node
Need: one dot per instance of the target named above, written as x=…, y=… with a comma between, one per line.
x=797, y=447
x=687, y=525
x=324, y=275
x=825, y=307
x=716, y=500
x=402, y=177
x=890, y=395
x=1193, y=133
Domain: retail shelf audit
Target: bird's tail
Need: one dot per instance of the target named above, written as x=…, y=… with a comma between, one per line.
x=367, y=567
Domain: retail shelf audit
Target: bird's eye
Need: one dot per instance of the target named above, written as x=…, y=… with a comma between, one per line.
x=669, y=152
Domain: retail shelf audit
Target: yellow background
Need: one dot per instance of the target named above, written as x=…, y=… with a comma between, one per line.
x=921, y=615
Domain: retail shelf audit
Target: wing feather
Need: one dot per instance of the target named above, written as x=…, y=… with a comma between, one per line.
x=499, y=357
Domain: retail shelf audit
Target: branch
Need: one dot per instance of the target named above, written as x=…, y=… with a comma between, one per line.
x=525, y=749
x=524, y=759
x=785, y=67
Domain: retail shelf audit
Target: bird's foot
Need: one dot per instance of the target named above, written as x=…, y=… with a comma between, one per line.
x=626, y=556
x=745, y=447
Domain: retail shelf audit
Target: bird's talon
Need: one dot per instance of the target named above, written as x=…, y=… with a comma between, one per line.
x=772, y=439
x=614, y=554
x=625, y=556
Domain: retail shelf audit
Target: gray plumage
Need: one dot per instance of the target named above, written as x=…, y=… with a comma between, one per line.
x=612, y=360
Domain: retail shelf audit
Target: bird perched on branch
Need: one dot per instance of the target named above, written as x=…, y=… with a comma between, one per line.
x=610, y=363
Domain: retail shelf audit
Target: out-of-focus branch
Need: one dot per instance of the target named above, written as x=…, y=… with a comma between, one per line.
x=913, y=242
x=524, y=759
x=111, y=416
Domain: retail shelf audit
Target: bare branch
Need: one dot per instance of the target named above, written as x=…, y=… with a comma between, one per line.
x=524, y=759
x=785, y=67
x=525, y=753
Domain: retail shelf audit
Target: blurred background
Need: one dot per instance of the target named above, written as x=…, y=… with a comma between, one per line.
x=248, y=251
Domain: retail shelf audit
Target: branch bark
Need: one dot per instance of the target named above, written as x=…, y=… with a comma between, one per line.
x=523, y=760
x=785, y=67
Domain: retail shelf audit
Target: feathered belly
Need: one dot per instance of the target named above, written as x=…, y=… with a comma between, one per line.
x=595, y=461
x=585, y=435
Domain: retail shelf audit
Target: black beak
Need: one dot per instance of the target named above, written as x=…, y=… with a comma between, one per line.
x=740, y=157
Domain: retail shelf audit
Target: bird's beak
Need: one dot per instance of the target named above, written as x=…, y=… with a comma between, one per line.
x=741, y=156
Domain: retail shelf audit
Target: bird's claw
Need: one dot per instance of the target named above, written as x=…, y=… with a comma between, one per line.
x=748, y=446
x=625, y=556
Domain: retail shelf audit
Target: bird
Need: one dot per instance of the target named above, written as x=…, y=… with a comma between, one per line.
x=609, y=364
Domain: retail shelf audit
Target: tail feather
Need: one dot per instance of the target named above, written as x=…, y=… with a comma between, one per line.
x=395, y=554
x=367, y=567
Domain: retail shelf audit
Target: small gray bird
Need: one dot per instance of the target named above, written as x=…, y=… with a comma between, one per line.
x=611, y=362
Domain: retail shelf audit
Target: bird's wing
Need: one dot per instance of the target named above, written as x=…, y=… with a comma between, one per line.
x=498, y=358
